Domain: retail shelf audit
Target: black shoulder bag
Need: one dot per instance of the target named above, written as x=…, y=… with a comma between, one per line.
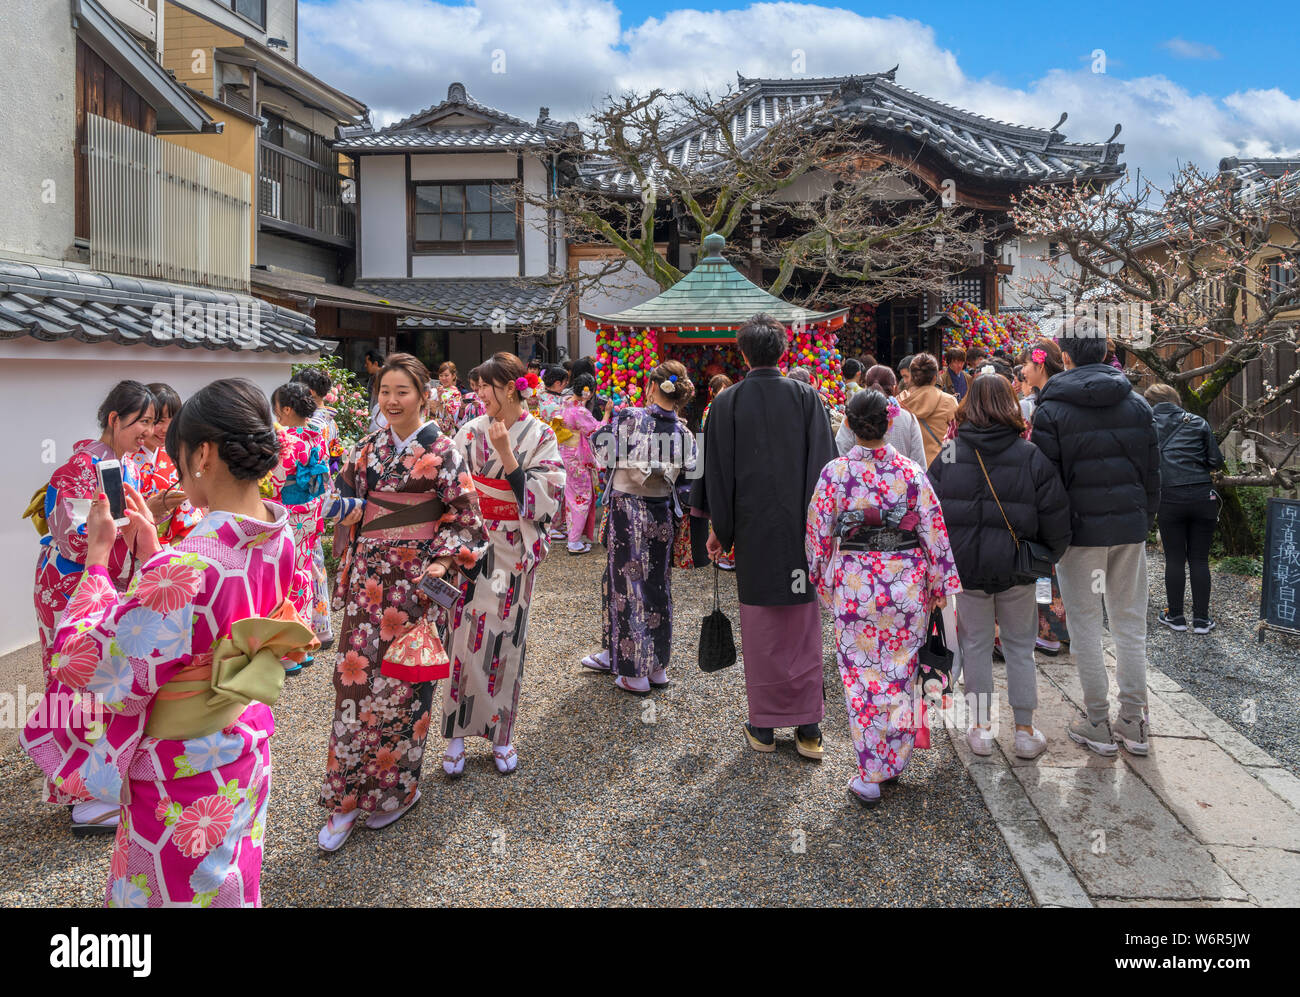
x=1033, y=560
x=717, y=645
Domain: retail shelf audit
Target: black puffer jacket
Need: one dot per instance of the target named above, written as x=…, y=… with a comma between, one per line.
x=1188, y=450
x=1101, y=436
x=1031, y=494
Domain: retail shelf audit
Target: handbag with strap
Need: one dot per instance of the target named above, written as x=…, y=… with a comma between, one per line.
x=717, y=644
x=1033, y=560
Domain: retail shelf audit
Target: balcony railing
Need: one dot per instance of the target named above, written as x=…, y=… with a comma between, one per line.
x=160, y=210
x=305, y=198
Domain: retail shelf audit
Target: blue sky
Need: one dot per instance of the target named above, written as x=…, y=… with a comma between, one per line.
x=1182, y=86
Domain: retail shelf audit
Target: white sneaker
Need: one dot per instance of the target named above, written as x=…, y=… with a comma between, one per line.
x=336, y=831
x=1030, y=745
x=980, y=740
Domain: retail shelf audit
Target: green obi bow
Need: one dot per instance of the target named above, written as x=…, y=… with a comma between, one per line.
x=247, y=667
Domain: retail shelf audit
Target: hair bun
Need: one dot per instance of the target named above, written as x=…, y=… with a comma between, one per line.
x=250, y=455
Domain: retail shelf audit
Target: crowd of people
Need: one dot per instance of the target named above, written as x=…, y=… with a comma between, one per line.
x=982, y=502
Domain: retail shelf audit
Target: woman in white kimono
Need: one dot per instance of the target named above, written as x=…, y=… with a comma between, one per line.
x=518, y=475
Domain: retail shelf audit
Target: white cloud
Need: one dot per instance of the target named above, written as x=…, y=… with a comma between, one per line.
x=400, y=55
x=1184, y=49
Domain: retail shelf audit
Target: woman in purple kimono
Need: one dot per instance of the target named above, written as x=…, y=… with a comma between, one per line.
x=652, y=448
x=880, y=572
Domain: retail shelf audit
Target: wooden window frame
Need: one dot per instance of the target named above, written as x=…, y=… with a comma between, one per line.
x=462, y=247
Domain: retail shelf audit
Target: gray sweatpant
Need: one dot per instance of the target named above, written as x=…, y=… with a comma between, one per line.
x=1016, y=615
x=1115, y=577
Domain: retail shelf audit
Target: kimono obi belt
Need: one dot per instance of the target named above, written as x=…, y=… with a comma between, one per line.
x=244, y=668
x=401, y=515
x=496, y=499
x=880, y=538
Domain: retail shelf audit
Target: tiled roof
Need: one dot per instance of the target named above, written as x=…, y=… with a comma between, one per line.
x=53, y=303
x=277, y=283
x=421, y=130
x=714, y=295
x=482, y=302
x=974, y=143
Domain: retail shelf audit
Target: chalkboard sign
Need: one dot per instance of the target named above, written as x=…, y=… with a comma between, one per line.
x=1280, y=595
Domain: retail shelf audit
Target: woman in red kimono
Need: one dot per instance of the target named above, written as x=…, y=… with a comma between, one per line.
x=159, y=483
x=126, y=419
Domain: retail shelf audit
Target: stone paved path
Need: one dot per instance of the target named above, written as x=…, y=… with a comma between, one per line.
x=1207, y=819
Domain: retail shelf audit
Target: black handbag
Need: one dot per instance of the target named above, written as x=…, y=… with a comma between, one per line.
x=934, y=653
x=717, y=645
x=1033, y=560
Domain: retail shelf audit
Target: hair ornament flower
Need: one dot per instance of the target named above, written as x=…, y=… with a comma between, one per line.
x=1038, y=356
x=669, y=387
x=526, y=385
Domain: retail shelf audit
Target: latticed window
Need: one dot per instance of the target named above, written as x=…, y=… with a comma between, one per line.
x=472, y=217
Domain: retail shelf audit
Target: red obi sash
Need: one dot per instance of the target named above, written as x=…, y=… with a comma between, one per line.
x=496, y=499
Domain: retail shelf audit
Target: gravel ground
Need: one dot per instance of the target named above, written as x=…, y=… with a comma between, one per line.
x=1228, y=667
x=607, y=808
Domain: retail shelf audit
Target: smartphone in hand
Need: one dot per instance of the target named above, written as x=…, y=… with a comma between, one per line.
x=110, y=483
x=440, y=591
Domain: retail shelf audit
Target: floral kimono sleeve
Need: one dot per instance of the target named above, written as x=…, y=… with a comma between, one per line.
x=120, y=650
x=941, y=575
x=460, y=531
x=543, y=480
x=75, y=480
x=819, y=545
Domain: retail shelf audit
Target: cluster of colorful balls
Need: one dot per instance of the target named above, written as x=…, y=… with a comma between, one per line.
x=857, y=337
x=623, y=359
x=814, y=347
x=976, y=327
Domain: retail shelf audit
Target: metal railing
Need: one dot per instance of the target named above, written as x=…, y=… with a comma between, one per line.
x=161, y=210
x=297, y=191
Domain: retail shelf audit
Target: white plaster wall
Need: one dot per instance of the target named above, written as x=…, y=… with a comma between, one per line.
x=465, y=166
x=383, y=216
x=496, y=265
x=38, y=73
x=51, y=392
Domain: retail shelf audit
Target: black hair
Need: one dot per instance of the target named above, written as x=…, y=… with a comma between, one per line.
x=130, y=400
x=583, y=365
x=294, y=395
x=762, y=340
x=851, y=369
x=906, y=362
x=316, y=379
x=165, y=399
x=553, y=375
x=235, y=415
x=868, y=415
x=1084, y=341
x=374, y=356
x=583, y=381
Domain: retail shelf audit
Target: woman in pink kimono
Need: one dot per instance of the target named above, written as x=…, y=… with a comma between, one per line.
x=879, y=555
x=126, y=419
x=177, y=675
x=580, y=468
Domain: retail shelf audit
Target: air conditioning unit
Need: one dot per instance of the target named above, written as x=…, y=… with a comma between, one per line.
x=269, y=198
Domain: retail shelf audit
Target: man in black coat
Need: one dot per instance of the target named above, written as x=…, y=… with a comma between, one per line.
x=1100, y=434
x=765, y=444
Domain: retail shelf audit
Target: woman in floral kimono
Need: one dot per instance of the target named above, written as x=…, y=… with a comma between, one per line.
x=446, y=398
x=880, y=576
x=178, y=673
x=321, y=385
x=419, y=519
x=159, y=482
x=126, y=420
x=579, y=465
x=515, y=469
x=653, y=448
x=300, y=482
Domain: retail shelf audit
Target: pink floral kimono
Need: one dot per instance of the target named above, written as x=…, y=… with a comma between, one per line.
x=881, y=600
x=193, y=810
x=580, y=470
x=300, y=483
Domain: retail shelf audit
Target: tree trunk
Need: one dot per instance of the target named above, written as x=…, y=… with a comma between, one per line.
x=1234, y=529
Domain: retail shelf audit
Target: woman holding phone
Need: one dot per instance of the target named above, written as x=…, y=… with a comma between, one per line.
x=419, y=520
x=516, y=470
x=126, y=420
x=183, y=669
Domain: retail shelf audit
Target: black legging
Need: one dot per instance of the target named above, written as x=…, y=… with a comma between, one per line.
x=1186, y=531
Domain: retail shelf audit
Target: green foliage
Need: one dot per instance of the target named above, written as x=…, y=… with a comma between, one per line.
x=1254, y=504
x=1237, y=565
x=350, y=407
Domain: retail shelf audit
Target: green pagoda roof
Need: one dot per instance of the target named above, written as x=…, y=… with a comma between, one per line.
x=714, y=296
